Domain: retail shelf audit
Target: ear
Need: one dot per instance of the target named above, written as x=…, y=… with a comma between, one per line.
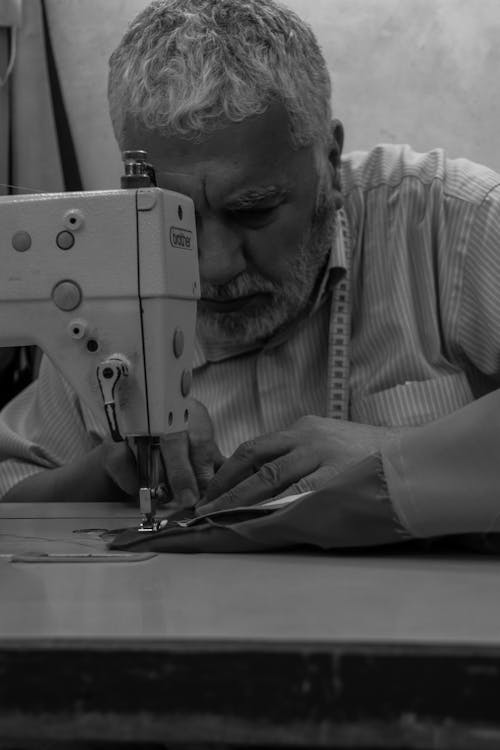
x=336, y=145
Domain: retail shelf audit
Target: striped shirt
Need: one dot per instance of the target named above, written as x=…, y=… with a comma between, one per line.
x=407, y=330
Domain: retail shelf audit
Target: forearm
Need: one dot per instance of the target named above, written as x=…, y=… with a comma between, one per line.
x=443, y=477
x=84, y=480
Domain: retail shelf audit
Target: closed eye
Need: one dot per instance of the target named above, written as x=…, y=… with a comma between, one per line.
x=255, y=215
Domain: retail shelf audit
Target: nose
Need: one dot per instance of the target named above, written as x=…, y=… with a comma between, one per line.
x=220, y=251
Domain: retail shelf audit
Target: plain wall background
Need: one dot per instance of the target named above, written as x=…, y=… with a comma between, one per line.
x=423, y=72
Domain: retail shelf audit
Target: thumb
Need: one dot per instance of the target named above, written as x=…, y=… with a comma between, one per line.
x=204, y=453
x=206, y=459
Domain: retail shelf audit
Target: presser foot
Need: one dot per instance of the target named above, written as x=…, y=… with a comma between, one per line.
x=147, y=502
x=150, y=523
x=150, y=489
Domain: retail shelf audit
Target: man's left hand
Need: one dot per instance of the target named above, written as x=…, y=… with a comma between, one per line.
x=303, y=458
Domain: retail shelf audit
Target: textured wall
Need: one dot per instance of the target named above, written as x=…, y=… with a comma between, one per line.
x=423, y=72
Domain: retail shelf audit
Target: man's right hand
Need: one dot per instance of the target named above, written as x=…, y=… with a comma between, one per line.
x=190, y=460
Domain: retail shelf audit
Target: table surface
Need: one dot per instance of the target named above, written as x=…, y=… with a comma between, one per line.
x=286, y=648
x=274, y=597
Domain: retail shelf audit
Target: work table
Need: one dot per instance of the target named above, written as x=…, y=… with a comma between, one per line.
x=288, y=648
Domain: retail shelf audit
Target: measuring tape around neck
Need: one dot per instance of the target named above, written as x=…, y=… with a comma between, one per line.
x=339, y=336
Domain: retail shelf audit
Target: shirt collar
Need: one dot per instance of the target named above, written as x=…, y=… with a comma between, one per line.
x=335, y=269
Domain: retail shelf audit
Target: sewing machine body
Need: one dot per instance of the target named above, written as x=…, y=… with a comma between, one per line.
x=88, y=275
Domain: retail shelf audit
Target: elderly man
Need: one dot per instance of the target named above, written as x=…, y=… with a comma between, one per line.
x=345, y=301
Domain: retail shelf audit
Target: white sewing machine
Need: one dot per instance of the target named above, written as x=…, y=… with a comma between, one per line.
x=106, y=283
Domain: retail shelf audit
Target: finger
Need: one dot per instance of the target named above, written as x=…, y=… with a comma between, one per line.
x=180, y=474
x=205, y=455
x=266, y=482
x=206, y=459
x=246, y=460
x=318, y=480
x=120, y=464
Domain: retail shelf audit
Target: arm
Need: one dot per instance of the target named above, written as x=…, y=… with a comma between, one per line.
x=443, y=477
x=439, y=479
x=85, y=479
x=52, y=449
x=478, y=331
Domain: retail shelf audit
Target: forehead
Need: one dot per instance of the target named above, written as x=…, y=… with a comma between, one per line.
x=236, y=158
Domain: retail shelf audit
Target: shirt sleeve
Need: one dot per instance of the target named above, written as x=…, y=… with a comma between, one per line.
x=44, y=427
x=442, y=477
x=479, y=316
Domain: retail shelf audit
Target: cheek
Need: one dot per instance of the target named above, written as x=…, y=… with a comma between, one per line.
x=270, y=249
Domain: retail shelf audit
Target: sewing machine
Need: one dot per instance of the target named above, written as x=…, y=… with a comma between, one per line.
x=106, y=283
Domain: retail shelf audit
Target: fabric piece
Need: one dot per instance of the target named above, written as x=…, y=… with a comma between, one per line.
x=44, y=427
x=36, y=165
x=444, y=477
x=29, y=153
x=6, y=41
x=68, y=157
x=354, y=510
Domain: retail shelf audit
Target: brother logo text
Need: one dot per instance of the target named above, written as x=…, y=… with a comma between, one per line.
x=180, y=238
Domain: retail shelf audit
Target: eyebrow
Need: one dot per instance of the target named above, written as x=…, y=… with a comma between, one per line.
x=253, y=196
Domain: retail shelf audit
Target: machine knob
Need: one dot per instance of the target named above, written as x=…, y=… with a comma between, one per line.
x=65, y=240
x=67, y=295
x=21, y=241
x=78, y=328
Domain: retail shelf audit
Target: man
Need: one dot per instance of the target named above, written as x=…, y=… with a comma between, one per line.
x=344, y=302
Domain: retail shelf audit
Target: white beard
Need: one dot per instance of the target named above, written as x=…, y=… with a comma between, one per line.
x=288, y=298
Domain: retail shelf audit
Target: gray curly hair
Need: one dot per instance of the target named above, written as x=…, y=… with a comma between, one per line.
x=188, y=67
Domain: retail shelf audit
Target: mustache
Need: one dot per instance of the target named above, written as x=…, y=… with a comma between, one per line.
x=321, y=231
x=243, y=285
